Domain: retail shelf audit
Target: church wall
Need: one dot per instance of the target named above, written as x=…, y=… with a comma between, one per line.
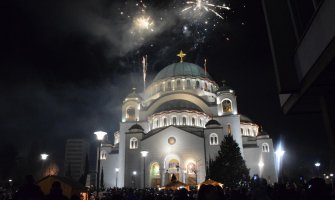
x=252, y=158
x=188, y=148
x=269, y=169
x=109, y=166
x=212, y=150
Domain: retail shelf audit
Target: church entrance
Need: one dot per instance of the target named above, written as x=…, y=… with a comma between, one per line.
x=174, y=169
x=155, y=175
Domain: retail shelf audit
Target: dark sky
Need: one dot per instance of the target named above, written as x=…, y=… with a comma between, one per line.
x=66, y=66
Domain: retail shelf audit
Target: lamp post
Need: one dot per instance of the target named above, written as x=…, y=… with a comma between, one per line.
x=44, y=157
x=117, y=172
x=100, y=136
x=133, y=178
x=144, y=154
x=317, y=165
x=279, y=153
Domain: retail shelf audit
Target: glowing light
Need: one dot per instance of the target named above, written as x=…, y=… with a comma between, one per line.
x=331, y=175
x=117, y=169
x=44, y=156
x=134, y=173
x=317, y=164
x=260, y=164
x=144, y=153
x=198, y=7
x=100, y=135
x=144, y=23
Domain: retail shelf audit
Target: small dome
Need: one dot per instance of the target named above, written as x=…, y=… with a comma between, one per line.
x=136, y=127
x=178, y=105
x=246, y=119
x=224, y=88
x=134, y=95
x=212, y=123
x=182, y=69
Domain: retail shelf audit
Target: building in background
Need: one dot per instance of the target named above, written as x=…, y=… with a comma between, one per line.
x=302, y=40
x=180, y=120
x=75, y=157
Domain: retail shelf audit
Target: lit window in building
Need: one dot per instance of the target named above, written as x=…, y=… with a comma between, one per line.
x=133, y=143
x=103, y=155
x=265, y=147
x=213, y=139
x=226, y=106
x=248, y=132
x=191, y=169
x=174, y=121
x=184, y=121
x=178, y=84
x=157, y=123
x=193, y=121
x=200, y=122
x=242, y=131
x=165, y=122
x=228, y=129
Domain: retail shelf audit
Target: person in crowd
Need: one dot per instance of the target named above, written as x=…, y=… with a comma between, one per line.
x=29, y=191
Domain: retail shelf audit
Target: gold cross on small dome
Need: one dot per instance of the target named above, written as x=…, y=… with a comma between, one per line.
x=181, y=55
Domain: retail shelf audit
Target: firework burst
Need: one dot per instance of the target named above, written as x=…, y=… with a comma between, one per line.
x=199, y=7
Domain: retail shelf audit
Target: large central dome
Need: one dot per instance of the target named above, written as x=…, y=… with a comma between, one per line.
x=182, y=69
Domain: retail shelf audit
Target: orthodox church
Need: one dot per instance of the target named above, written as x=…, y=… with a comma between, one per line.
x=176, y=126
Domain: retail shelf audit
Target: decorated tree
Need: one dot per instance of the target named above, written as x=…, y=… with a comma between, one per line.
x=229, y=167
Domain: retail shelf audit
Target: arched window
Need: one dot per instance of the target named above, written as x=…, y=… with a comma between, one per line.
x=226, y=106
x=155, y=169
x=169, y=86
x=200, y=122
x=242, y=131
x=103, y=155
x=178, y=84
x=188, y=84
x=165, y=121
x=248, y=132
x=206, y=88
x=162, y=87
x=184, y=121
x=174, y=121
x=213, y=139
x=130, y=115
x=191, y=169
x=157, y=123
x=197, y=84
x=133, y=143
x=193, y=121
x=265, y=147
x=228, y=129
x=255, y=133
x=116, y=137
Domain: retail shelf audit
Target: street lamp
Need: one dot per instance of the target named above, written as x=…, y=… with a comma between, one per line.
x=317, y=165
x=133, y=178
x=44, y=157
x=279, y=153
x=117, y=172
x=144, y=154
x=100, y=136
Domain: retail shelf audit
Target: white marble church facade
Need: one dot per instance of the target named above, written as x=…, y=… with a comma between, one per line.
x=180, y=120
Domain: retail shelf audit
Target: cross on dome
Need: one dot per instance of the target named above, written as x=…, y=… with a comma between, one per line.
x=181, y=55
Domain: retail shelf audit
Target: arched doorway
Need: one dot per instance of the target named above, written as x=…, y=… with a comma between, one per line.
x=173, y=168
x=155, y=175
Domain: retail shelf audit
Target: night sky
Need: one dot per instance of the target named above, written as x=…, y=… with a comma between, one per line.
x=66, y=66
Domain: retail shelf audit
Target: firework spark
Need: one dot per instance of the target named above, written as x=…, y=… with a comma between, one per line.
x=144, y=23
x=198, y=6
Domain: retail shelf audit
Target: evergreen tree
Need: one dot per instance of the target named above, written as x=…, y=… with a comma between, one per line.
x=229, y=167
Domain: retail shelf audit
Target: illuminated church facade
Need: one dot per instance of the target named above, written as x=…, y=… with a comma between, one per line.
x=179, y=121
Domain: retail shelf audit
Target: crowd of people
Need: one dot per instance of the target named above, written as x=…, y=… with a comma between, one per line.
x=315, y=189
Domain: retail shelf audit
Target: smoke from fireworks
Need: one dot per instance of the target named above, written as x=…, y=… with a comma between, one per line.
x=198, y=7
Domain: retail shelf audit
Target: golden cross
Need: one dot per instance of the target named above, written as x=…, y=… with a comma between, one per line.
x=181, y=55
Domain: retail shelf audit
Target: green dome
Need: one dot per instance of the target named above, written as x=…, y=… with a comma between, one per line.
x=182, y=69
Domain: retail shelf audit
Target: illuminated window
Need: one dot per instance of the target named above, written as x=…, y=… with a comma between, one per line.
x=155, y=169
x=206, y=88
x=103, y=155
x=165, y=122
x=191, y=169
x=228, y=129
x=188, y=83
x=213, y=139
x=174, y=121
x=193, y=121
x=248, y=132
x=178, y=84
x=133, y=143
x=227, y=106
x=200, y=122
x=157, y=123
x=265, y=147
x=242, y=131
x=184, y=121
